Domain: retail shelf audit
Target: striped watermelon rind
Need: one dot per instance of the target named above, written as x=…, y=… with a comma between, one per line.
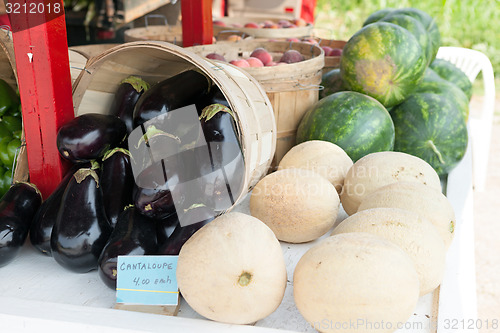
x=428, y=126
x=357, y=123
x=383, y=60
x=451, y=73
x=433, y=83
x=416, y=28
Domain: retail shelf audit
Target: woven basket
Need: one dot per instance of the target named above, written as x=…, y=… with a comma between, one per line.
x=156, y=61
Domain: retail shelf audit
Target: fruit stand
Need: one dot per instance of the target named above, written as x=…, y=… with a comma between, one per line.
x=411, y=263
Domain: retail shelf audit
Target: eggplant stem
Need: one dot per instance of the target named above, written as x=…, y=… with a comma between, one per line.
x=83, y=173
x=151, y=132
x=193, y=206
x=209, y=111
x=137, y=83
x=94, y=165
x=110, y=152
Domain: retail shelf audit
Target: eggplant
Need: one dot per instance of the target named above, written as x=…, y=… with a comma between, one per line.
x=175, y=92
x=17, y=208
x=89, y=136
x=215, y=96
x=181, y=234
x=226, y=157
x=82, y=228
x=134, y=234
x=165, y=227
x=126, y=96
x=117, y=183
x=45, y=217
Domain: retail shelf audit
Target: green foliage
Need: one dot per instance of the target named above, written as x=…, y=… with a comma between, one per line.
x=467, y=23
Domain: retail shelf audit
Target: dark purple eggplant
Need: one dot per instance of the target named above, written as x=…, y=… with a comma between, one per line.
x=175, y=92
x=126, y=96
x=215, y=96
x=181, y=234
x=89, y=136
x=82, y=228
x=134, y=234
x=17, y=209
x=221, y=135
x=41, y=227
x=165, y=227
x=117, y=182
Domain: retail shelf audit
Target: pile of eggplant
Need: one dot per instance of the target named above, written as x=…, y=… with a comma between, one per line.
x=134, y=187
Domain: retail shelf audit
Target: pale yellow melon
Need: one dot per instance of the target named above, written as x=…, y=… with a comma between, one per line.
x=323, y=157
x=416, y=197
x=232, y=270
x=298, y=205
x=379, y=169
x=414, y=234
x=349, y=281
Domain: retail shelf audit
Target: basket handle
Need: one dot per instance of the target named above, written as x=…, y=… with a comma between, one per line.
x=155, y=16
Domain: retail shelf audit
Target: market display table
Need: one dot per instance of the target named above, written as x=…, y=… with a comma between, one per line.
x=38, y=294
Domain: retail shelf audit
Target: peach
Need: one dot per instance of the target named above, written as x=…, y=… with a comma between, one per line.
x=300, y=22
x=215, y=56
x=251, y=25
x=271, y=26
x=327, y=50
x=236, y=25
x=293, y=39
x=233, y=38
x=335, y=52
x=283, y=22
x=272, y=63
x=219, y=23
x=240, y=63
x=262, y=54
x=254, y=62
x=291, y=56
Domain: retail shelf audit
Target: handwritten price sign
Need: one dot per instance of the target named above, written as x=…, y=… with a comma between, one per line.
x=147, y=280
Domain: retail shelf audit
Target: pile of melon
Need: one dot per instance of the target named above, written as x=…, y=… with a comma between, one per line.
x=374, y=264
x=392, y=59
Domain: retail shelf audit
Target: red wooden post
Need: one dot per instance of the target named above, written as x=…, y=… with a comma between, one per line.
x=41, y=49
x=196, y=22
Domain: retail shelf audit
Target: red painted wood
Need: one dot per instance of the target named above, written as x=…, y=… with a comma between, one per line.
x=44, y=87
x=196, y=22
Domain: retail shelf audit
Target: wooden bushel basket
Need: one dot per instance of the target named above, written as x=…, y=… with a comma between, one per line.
x=291, y=88
x=165, y=33
x=155, y=61
x=261, y=32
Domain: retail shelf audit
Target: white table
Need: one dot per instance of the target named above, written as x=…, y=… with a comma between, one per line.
x=36, y=294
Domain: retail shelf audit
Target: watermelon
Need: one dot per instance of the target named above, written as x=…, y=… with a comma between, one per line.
x=428, y=126
x=377, y=15
x=427, y=21
x=331, y=83
x=383, y=60
x=416, y=28
x=453, y=74
x=433, y=83
x=357, y=123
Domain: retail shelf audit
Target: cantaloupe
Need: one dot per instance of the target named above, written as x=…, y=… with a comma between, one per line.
x=298, y=205
x=416, y=197
x=414, y=234
x=382, y=168
x=353, y=281
x=323, y=157
x=232, y=270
